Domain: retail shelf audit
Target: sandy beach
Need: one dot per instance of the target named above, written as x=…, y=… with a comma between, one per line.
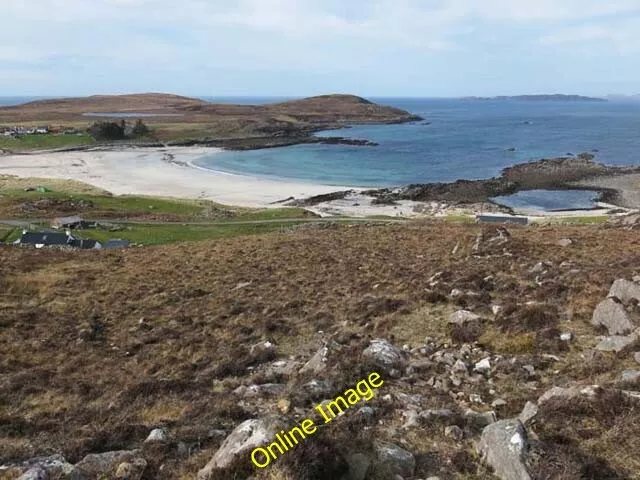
x=157, y=171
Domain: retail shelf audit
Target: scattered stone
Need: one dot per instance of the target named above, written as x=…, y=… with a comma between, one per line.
x=35, y=473
x=158, y=435
x=383, y=354
x=612, y=315
x=398, y=460
x=567, y=393
x=630, y=376
x=461, y=317
x=459, y=367
x=498, y=403
x=503, y=447
x=529, y=412
x=565, y=242
x=625, y=291
x=616, y=343
x=496, y=309
x=475, y=398
x=454, y=432
x=439, y=414
x=456, y=293
x=359, y=465
x=479, y=420
x=318, y=362
x=530, y=369
x=248, y=435
x=262, y=349
x=106, y=465
x=566, y=337
x=483, y=366
x=253, y=391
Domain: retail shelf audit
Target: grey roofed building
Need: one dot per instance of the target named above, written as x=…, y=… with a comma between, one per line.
x=49, y=239
x=86, y=244
x=67, y=222
x=116, y=243
x=42, y=239
x=502, y=219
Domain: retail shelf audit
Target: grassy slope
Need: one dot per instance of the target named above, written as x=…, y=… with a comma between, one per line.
x=43, y=142
x=176, y=367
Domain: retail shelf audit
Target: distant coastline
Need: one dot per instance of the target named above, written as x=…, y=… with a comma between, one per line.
x=542, y=98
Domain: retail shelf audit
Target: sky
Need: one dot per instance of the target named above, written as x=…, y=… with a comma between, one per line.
x=375, y=48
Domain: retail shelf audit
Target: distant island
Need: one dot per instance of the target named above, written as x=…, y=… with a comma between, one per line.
x=542, y=98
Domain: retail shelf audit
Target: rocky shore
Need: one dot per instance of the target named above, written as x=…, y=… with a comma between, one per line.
x=563, y=173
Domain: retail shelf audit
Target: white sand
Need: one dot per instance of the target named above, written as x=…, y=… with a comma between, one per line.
x=145, y=172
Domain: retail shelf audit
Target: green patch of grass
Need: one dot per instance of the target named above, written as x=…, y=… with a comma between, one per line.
x=586, y=220
x=34, y=142
x=5, y=232
x=162, y=234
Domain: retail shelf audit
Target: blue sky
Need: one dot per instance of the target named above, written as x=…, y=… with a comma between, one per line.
x=307, y=47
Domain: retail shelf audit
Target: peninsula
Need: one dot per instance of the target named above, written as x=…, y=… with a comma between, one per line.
x=181, y=121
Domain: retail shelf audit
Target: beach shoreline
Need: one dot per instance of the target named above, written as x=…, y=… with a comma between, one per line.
x=172, y=172
x=167, y=172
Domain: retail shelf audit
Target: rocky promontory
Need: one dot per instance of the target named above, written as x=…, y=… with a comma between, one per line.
x=563, y=173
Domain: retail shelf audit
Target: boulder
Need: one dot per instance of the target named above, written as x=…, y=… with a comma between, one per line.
x=625, y=291
x=503, y=447
x=54, y=466
x=159, y=435
x=529, y=412
x=106, y=465
x=398, y=460
x=384, y=355
x=462, y=317
x=612, y=315
x=247, y=436
x=318, y=362
x=483, y=366
x=454, y=432
x=358, y=466
x=616, y=343
x=567, y=393
x=479, y=420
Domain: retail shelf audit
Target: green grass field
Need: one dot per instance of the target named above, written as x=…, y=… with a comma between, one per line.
x=6, y=232
x=162, y=234
x=129, y=206
x=45, y=142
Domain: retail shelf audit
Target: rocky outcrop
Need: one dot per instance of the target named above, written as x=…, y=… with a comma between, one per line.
x=503, y=446
x=612, y=315
x=121, y=464
x=384, y=355
x=396, y=459
x=246, y=437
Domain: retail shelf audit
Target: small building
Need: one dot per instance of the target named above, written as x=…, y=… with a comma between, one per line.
x=68, y=222
x=44, y=239
x=116, y=243
x=502, y=219
x=56, y=240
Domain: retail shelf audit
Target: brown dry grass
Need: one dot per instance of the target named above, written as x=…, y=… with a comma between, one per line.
x=100, y=347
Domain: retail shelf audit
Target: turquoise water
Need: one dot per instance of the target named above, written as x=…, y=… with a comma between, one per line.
x=464, y=139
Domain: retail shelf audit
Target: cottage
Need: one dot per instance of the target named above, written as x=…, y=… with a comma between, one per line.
x=57, y=240
x=68, y=222
x=44, y=239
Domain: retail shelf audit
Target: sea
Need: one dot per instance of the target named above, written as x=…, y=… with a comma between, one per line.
x=459, y=139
